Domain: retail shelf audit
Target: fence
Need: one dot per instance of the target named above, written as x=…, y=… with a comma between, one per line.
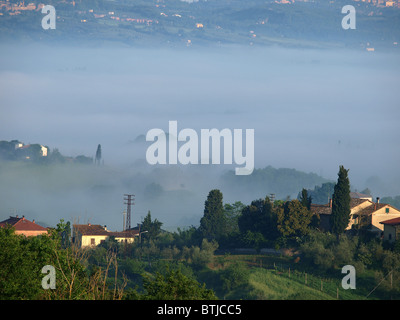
x=332, y=287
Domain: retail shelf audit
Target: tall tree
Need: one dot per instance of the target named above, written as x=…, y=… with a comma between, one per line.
x=232, y=213
x=294, y=219
x=151, y=229
x=340, y=216
x=259, y=217
x=305, y=199
x=212, y=224
x=98, y=154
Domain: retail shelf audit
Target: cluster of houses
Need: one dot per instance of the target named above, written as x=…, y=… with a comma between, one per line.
x=380, y=218
x=84, y=235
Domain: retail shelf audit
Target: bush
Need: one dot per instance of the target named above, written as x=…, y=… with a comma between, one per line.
x=175, y=286
x=235, y=275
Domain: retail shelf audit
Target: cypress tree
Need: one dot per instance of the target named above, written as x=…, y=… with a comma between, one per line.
x=305, y=199
x=340, y=216
x=98, y=154
x=212, y=224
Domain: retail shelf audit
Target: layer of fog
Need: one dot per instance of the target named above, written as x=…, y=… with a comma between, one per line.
x=311, y=110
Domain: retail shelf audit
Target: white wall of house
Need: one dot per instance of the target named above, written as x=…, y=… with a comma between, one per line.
x=89, y=240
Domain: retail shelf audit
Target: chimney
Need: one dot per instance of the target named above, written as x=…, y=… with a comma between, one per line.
x=33, y=220
x=377, y=199
x=330, y=202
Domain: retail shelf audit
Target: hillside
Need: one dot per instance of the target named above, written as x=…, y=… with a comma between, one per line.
x=282, y=182
x=180, y=23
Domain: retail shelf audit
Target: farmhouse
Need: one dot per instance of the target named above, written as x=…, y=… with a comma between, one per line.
x=364, y=212
x=24, y=226
x=86, y=235
x=391, y=229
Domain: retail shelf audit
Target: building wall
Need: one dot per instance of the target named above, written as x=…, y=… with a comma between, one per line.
x=30, y=233
x=381, y=215
x=361, y=206
x=389, y=233
x=86, y=240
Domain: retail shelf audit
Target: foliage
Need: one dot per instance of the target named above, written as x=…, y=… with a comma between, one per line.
x=253, y=240
x=340, y=216
x=22, y=259
x=212, y=224
x=199, y=257
x=187, y=237
x=259, y=217
x=235, y=275
x=321, y=194
x=323, y=252
x=232, y=213
x=305, y=199
x=152, y=228
x=174, y=286
x=64, y=231
x=293, y=219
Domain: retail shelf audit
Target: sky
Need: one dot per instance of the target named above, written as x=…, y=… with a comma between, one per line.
x=311, y=110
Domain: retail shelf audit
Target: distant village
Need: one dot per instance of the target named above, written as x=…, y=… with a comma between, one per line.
x=16, y=150
x=6, y=7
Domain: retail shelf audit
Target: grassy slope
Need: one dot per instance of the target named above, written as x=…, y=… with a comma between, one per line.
x=267, y=285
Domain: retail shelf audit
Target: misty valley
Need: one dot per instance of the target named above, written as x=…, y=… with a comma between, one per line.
x=199, y=150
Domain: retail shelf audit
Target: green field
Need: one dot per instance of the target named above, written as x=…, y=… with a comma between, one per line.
x=278, y=278
x=269, y=285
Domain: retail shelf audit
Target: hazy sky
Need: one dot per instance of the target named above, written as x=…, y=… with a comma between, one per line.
x=311, y=110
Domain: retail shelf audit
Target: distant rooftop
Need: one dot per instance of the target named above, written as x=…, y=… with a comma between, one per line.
x=99, y=230
x=22, y=224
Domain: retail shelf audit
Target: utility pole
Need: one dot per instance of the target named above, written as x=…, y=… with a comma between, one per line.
x=129, y=202
x=123, y=220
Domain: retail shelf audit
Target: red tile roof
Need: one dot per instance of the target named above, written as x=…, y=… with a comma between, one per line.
x=22, y=224
x=326, y=209
x=393, y=222
x=99, y=230
x=371, y=209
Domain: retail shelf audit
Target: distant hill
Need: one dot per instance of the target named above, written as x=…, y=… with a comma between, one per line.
x=282, y=182
x=314, y=24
